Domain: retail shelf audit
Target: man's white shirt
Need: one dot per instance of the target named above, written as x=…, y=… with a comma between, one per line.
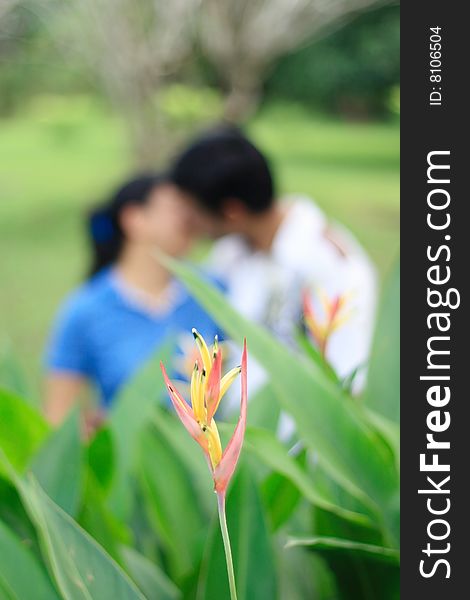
x=307, y=253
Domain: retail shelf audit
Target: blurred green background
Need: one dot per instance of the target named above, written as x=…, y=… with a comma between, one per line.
x=325, y=109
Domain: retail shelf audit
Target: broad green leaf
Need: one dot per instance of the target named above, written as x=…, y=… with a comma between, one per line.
x=280, y=497
x=100, y=457
x=172, y=503
x=362, y=570
x=304, y=575
x=357, y=575
x=169, y=428
x=314, y=355
x=81, y=568
x=327, y=544
x=264, y=409
x=271, y=451
x=22, y=430
x=253, y=558
x=14, y=516
x=390, y=432
x=96, y=518
x=151, y=580
x=131, y=411
x=11, y=374
x=6, y=593
x=58, y=464
x=327, y=419
x=383, y=387
x=20, y=570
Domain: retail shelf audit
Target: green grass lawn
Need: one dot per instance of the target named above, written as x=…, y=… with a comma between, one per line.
x=55, y=163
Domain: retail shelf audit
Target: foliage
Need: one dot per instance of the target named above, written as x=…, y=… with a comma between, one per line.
x=383, y=391
x=189, y=107
x=30, y=63
x=352, y=71
x=127, y=54
x=332, y=496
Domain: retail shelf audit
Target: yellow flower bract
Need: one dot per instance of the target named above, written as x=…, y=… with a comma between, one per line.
x=199, y=394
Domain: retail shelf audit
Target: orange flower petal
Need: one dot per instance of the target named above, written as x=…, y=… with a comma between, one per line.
x=335, y=307
x=185, y=413
x=226, y=467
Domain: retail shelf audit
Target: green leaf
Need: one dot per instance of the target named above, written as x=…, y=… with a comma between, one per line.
x=12, y=376
x=264, y=409
x=100, y=457
x=58, y=464
x=270, y=450
x=13, y=514
x=327, y=420
x=356, y=574
x=311, y=352
x=172, y=503
x=280, y=497
x=98, y=521
x=390, y=432
x=20, y=571
x=304, y=575
x=331, y=544
x=170, y=429
x=151, y=580
x=254, y=564
x=383, y=388
x=362, y=570
x=22, y=430
x=131, y=411
x=81, y=568
x=6, y=593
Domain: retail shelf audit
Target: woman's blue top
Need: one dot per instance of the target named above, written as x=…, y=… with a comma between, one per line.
x=103, y=334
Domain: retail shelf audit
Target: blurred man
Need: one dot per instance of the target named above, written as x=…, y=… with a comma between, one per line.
x=270, y=252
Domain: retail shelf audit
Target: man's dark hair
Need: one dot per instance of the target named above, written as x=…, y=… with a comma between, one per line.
x=223, y=164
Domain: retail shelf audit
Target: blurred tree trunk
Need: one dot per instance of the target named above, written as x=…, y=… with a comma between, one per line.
x=146, y=133
x=244, y=93
x=144, y=126
x=129, y=47
x=5, y=6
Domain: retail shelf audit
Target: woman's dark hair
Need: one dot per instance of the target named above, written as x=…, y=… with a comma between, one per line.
x=104, y=228
x=221, y=164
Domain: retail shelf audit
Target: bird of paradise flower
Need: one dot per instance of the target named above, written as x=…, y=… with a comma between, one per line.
x=207, y=389
x=334, y=316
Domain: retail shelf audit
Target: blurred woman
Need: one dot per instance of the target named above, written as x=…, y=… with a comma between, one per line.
x=130, y=305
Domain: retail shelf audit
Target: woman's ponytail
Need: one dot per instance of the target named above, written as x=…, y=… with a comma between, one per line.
x=106, y=239
x=105, y=232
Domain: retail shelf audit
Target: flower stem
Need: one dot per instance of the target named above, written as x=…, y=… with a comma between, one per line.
x=227, y=548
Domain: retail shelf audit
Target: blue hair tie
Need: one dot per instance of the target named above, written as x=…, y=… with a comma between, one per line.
x=102, y=228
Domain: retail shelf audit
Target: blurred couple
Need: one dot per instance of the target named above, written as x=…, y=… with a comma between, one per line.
x=275, y=259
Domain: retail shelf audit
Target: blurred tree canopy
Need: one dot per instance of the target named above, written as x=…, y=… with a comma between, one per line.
x=244, y=39
x=30, y=63
x=351, y=71
x=129, y=51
